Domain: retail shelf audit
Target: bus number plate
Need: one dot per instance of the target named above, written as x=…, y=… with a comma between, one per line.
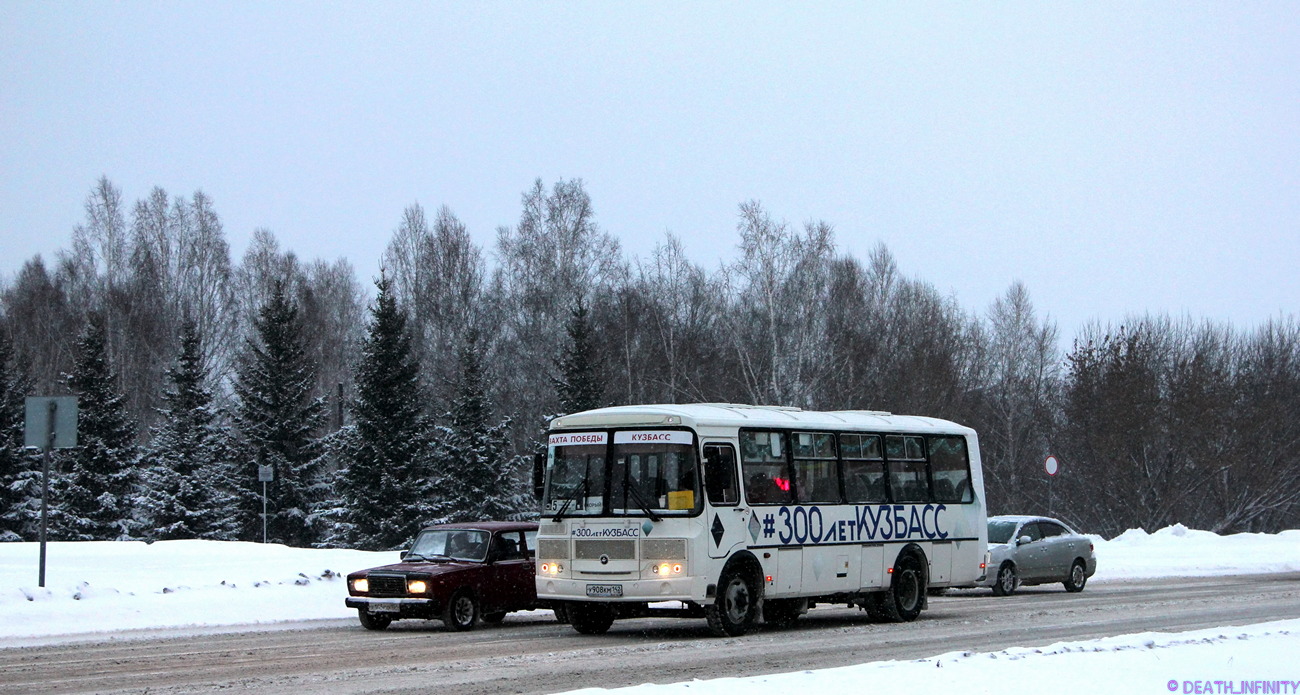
x=605, y=590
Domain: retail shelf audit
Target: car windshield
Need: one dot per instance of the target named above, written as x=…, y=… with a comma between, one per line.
x=1000, y=530
x=457, y=544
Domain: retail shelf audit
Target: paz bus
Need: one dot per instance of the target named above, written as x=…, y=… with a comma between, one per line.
x=744, y=514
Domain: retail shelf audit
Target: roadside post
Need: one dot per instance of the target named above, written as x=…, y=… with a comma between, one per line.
x=1051, y=465
x=265, y=474
x=49, y=422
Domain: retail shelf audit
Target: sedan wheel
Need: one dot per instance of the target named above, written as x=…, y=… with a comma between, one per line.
x=1078, y=577
x=1006, y=581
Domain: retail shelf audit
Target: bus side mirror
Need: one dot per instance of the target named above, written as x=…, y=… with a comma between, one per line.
x=539, y=475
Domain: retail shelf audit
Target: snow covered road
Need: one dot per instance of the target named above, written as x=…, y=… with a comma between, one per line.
x=531, y=654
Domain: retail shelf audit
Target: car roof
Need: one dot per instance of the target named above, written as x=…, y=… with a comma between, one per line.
x=493, y=526
x=1021, y=518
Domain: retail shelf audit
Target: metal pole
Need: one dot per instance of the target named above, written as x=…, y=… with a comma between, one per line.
x=263, y=511
x=45, y=492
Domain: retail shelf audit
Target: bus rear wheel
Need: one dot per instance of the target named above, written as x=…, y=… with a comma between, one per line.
x=590, y=618
x=736, y=608
x=906, y=595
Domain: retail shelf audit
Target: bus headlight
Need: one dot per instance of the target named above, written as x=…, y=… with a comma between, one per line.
x=664, y=569
x=361, y=586
x=552, y=568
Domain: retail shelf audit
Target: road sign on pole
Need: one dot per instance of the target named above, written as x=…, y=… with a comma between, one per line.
x=1052, y=466
x=50, y=422
x=265, y=474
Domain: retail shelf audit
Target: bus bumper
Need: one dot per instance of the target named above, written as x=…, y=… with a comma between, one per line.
x=649, y=590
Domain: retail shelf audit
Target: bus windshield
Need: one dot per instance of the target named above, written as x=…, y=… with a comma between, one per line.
x=657, y=477
x=649, y=473
x=575, y=474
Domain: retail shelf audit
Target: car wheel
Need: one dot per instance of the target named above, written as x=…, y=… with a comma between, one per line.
x=736, y=607
x=494, y=618
x=902, y=602
x=461, y=612
x=782, y=613
x=371, y=621
x=1078, y=577
x=1006, y=581
x=590, y=618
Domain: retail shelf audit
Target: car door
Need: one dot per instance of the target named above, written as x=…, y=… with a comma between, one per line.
x=510, y=585
x=1031, y=557
x=1057, y=552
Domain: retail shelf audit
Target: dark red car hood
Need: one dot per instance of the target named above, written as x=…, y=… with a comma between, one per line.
x=434, y=569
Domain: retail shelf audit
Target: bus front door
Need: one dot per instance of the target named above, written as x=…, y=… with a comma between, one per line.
x=727, y=517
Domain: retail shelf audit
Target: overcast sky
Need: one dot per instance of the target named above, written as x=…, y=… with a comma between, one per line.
x=1117, y=158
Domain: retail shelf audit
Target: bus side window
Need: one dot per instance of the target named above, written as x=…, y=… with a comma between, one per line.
x=720, y=475
x=817, y=475
x=767, y=476
x=950, y=468
x=907, y=479
x=864, y=469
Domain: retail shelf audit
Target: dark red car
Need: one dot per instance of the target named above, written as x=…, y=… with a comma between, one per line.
x=457, y=573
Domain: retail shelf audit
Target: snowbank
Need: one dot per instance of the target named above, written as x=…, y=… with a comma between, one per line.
x=110, y=586
x=1177, y=551
x=1251, y=659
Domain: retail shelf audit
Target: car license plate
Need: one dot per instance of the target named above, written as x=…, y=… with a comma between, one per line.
x=385, y=608
x=605, y=590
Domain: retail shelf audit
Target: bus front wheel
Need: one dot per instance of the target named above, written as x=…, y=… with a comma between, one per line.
x=736, y=607
x=590, y=618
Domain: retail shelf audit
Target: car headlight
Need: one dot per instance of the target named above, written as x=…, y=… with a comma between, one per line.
x=361, y=586
x=417, y=586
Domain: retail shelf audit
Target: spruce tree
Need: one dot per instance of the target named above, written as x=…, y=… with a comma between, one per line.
x=580, y=386
x=187, y=467
x=278, y=419
x=93, y=497
x=19, y=480
x=477, y=476
x=385, y=486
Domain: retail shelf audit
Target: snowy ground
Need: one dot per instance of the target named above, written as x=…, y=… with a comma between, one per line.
x=111, y=587
x=1251, y=659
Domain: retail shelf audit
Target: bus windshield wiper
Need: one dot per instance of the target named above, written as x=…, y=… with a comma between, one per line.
x=568, y=501
x=640, y=501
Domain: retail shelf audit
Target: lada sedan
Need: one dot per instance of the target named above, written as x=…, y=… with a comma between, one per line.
x=1027, y=550
x=458, y=573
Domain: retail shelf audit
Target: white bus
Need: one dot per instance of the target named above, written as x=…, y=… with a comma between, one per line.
x=740, y=514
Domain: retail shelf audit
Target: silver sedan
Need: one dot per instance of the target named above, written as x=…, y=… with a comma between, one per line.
x=1027, y=550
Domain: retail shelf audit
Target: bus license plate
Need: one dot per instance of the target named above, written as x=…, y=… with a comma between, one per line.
x=605, y=590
